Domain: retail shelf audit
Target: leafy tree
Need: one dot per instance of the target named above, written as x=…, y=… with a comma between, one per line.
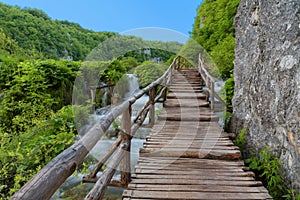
x=149, y=72
x=23, y=154
x=114, y=72
x=214, y=30
x=129, y=63
x=31, y=131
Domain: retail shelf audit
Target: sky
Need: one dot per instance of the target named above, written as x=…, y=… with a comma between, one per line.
x=120, y=15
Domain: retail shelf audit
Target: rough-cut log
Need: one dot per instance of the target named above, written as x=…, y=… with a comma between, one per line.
x=152, y=108
x=103, y=160
x=126, y=137
x=99, y=188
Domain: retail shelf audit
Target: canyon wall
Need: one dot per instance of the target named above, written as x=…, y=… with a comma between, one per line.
x=267, y=79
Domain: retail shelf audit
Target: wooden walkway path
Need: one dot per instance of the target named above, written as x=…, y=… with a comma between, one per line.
x=187, y=155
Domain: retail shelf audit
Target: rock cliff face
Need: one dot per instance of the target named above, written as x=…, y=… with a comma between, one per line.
x=267, y=79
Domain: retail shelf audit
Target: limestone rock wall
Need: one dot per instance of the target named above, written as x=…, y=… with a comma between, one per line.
x=267, y=79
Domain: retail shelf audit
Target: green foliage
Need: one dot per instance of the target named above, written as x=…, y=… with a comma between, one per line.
x=268, y=168
x=8, y=46
x=190, y=51
x=114, y=71
x=227, y=116
x=149, y=72
x=214, y=30
x=38, y=34
x=31, y=132
x=240, y=139
x=223, y=56
x=129, y=63
x=23, y=155
x=121, y=46
x=227, y=92
x=170, y=60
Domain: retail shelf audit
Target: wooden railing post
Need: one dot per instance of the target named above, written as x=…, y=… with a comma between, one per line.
x=126, y=138
x=164, y=96
x=207, y=89
x=152, y=107
x=212, y=95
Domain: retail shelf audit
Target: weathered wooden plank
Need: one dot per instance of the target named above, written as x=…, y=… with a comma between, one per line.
x=197, y=143
x=208, y=176
x=198, y=188
x=212, y=154
x=189, y=160
x=178, y=95
x=186, y=104
x=192, y=169
x=183, y=117
x=216, y=172
x=193, y=195
x=190, y=147
x=173, y=164
x=187, y=91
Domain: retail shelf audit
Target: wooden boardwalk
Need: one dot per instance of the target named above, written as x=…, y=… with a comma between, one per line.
x=187, y=155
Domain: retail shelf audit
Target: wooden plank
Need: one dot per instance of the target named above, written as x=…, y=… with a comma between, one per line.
x=186, y=104
x=197, y=143
x=193, y=195
x=190, y=160
x=190, y=147
x=193, y=169
x=213, y=154
x=182, y=117
x=194, y=177
x=216, y=172
x=185, y=96
x=198, y=188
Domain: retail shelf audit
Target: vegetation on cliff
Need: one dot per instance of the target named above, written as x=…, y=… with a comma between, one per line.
x=214, y=30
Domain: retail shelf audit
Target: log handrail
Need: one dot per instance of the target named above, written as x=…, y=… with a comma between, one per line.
x=45, y=183
x=210, y=85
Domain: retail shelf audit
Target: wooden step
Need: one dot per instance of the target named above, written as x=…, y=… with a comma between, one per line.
x=180, y=95
x=187, y=117
x=190, y=103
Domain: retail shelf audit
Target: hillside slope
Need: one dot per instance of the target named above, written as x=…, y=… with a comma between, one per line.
x=35, y=31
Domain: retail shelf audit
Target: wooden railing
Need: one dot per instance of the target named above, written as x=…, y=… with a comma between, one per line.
x=211, y=95
x=45, y=183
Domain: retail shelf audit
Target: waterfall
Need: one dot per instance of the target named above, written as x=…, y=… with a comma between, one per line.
x=134, y=86
x=104, y=97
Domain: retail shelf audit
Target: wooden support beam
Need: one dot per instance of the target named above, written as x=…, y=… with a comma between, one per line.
x=103, y=160
x=152, y=107
x=212, y=95
x=126, y=137
x=99, y=188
